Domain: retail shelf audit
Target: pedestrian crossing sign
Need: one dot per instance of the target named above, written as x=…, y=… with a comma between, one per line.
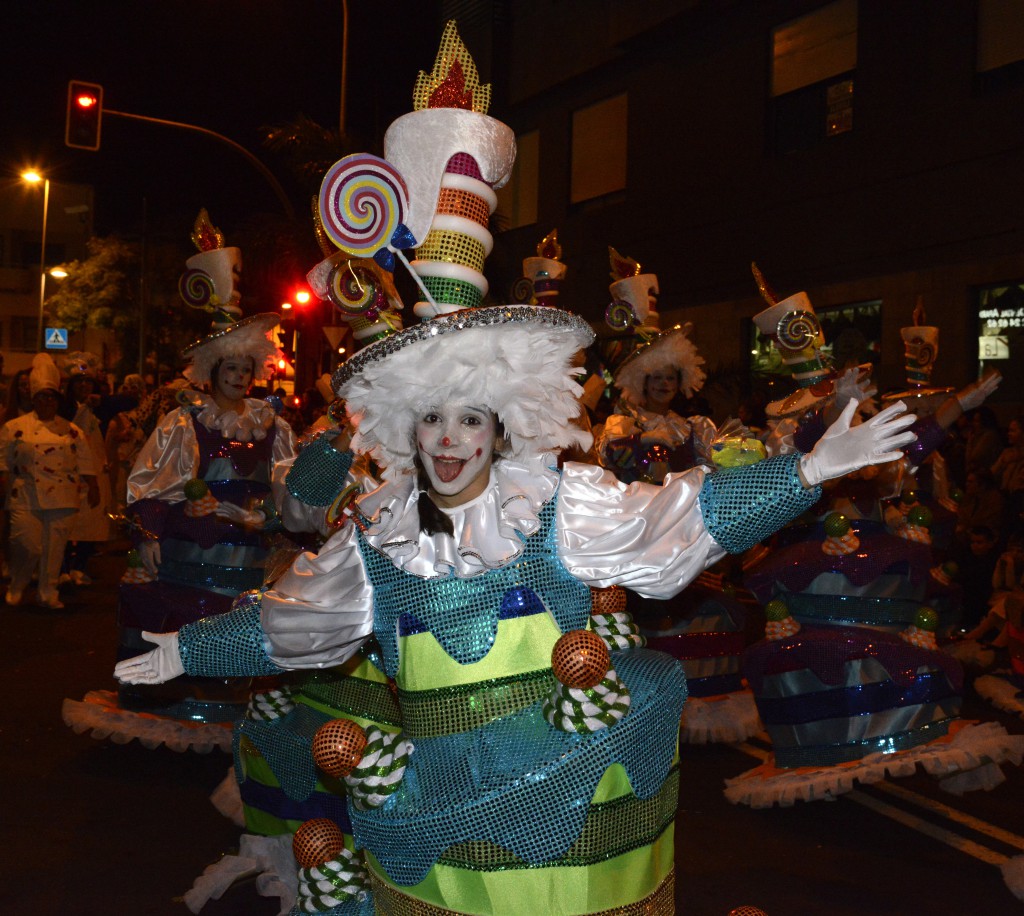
x=56, y=338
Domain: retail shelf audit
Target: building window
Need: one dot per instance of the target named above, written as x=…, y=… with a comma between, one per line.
x=599, y=149
x=1000, y=34
x=24, y=333
x=517, y=201
x=813, y=63
x=1000, y=322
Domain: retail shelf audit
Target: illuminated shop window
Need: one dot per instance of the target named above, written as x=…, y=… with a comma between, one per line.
x=599, y=149
x=1000, y=323
x=813, y=63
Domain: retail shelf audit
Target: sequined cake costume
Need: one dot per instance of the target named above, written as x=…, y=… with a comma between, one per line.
x=200, y=456
x=532, y=773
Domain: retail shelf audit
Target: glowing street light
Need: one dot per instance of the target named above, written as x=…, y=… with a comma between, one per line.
x=33, y=177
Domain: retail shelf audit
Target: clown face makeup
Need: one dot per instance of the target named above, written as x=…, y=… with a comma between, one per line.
x=455, y=443
x=232, y=380
x=661, y=387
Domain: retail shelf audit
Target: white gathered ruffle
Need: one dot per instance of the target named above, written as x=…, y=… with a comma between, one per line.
x=252, y=424
x=269, y=859
x=1000, y=692
x=968, y=762
x=227, y=799
x=725, y=719
x=98, y=713
x=489, y=530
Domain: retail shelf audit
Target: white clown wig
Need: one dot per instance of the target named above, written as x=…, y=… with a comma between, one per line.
x=249, y=337
x=670, y=349
x=515, y=361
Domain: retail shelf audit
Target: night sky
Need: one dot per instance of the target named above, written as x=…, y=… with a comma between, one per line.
x=232, y=66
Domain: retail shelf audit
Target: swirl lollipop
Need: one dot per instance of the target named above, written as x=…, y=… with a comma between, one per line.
x=363, y=200
x=798, y=329
x=355, y=290
x=620, y=315
x=196, y=288
x=522, y=290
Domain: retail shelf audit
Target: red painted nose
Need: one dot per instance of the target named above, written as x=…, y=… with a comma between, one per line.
x=445, y=441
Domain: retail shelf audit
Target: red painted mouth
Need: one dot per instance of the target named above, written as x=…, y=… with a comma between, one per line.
x=447, y=469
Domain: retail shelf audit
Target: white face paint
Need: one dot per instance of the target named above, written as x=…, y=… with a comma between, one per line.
x=456, y=442
x=660, y=388
x=233, y=379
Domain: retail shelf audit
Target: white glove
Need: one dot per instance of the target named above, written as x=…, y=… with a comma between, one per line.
x=249, y=518
x=974, y=394
x=156, y=667
x=851, y=386
x=846, y=448
x=149, y=553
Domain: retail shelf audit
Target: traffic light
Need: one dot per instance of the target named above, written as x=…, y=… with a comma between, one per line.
x=85, y=113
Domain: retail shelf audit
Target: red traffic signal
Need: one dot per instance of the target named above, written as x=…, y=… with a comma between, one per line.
x=85, y=114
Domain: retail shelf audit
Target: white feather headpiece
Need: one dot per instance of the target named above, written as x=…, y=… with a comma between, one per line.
x=516, y=361
x=671, y=349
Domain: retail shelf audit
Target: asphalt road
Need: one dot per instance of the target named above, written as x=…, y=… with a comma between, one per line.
x=91, y=827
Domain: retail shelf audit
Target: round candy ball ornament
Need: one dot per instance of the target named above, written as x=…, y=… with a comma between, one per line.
x=338, y=746
x=611, y=600
x=580, y=659
x=836, y=524
x=317, y=841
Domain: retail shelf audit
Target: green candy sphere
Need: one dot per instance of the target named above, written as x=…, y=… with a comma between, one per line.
x=926, y=619
x=196, y=488
x=920, y=516
x=776, y=610
x=836, y=524
x=134, y=560
x=956, y=495
x=951, y=568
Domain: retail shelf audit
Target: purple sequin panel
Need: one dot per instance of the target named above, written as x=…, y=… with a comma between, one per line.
x=796, y=563
x=464, y=164
x=827, y=650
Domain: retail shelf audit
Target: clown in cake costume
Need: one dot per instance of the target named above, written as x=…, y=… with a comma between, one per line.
x=535, y=770
x=199, y=509
x=849, y=680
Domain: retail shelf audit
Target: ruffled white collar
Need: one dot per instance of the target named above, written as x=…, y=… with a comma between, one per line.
x=489, y=530
x=253, y=423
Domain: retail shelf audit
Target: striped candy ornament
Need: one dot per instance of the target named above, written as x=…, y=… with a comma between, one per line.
x=781, y=629
x=571, y=709
x=332, y=883
x=915, y=636
x=840, y=546
x=270, y=704
x=914, y=533
x=617, y=630
x=205, y=505
x=380, y=770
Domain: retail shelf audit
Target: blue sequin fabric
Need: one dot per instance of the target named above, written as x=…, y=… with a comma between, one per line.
x=463, y=614
x=228, y=645
x=514, y=781
x=742, y=506
x=319, y=472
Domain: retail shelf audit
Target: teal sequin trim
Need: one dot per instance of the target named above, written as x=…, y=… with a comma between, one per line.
x=226, y=645
x=319, y=472
x=463, y=614
x=742, y=506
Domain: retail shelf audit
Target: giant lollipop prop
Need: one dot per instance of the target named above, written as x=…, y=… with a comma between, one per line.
x=363, y=202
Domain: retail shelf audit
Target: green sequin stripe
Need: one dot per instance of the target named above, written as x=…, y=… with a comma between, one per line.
x=355, y=696
x=448, y=710
x=453, y=292
x=611, y=829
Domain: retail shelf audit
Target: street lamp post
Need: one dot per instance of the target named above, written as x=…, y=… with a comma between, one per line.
x=34, y=178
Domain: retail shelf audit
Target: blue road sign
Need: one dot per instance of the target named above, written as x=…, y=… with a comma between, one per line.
x=56, y=338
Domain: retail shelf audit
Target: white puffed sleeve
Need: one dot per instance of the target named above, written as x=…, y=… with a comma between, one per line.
x=651, y=539
x=284, y=442
x=167, y=461
x=321, y=610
